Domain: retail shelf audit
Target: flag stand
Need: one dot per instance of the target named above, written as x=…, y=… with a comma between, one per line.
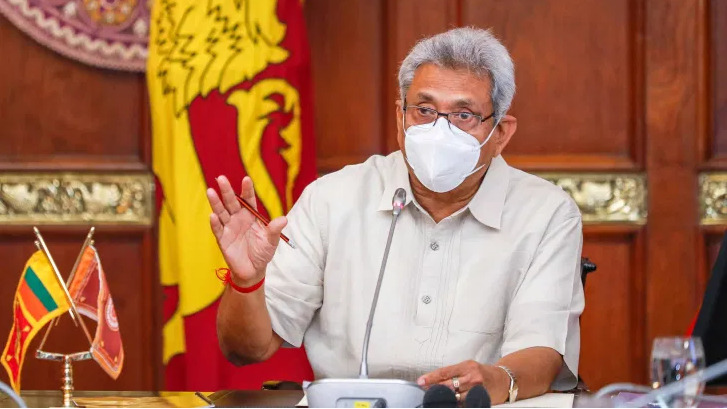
x=67, y=371
x=67, y=359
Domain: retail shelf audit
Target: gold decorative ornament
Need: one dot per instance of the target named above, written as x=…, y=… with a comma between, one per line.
x=713, y=198
x=76, y=198
x=605, y=197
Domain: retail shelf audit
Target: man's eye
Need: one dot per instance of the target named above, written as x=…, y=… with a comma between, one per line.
x=424, y=112
x=464, y=116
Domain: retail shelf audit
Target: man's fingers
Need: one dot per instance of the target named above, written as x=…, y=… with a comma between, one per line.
x=228, y=195
x=274, y=229
x=216, y=225
x=465, y=381
x=439, y=375
x=248, y=192
x=223, y=216
x=463, y=396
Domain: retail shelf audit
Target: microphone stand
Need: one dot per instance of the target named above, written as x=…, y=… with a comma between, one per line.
x=398, y=203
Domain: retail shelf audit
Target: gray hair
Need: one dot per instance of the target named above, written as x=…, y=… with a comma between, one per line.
x=474, y=49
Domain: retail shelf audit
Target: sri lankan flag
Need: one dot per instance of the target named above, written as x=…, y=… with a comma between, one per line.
x=38, y=299
x=230, y=94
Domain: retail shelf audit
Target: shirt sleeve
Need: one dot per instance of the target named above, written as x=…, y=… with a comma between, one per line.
x=294, y=278
x=546, y=308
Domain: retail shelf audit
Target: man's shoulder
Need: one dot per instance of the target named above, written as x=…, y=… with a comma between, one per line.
x=362, y=179
x=534, y=189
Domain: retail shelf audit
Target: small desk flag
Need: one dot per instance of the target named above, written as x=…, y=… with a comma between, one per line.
x=38, y=299
x=90, y=293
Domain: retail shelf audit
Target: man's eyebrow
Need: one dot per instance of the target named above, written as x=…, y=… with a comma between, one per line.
x=463, y=103
x=424, y=97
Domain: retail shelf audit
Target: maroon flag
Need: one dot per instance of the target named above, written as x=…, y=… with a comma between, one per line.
x=93, y=299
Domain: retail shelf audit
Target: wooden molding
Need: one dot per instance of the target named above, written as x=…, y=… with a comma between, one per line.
x=713, y=198
x=76, y=198
x=605, y=197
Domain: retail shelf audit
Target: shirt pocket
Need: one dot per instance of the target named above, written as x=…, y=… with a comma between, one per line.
x=484, y=289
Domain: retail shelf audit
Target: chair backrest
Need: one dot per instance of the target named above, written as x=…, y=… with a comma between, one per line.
x=587, y=267
x=711, y=323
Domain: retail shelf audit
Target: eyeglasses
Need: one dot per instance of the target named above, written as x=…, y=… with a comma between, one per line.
x=466, y=121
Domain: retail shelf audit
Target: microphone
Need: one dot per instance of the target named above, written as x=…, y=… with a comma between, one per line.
x=477, y=397
x=397, y=204
x=440, y=396
x=362, y=391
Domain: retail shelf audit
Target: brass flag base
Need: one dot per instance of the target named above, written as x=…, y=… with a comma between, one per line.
x=67, y=359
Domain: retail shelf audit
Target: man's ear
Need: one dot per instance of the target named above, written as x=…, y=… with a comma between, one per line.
x=399, y=124
x=507, y=128
x=399, y=113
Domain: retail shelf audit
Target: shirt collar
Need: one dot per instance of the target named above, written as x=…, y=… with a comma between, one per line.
x=486, y=205
x=397, y=176
x=489, y=201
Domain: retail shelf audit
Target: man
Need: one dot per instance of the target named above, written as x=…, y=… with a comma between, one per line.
x=483, y=280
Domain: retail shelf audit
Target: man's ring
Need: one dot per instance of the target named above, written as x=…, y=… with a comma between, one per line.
x=455, y=384
x=457, y=396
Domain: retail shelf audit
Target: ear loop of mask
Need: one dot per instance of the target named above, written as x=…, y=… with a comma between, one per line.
x=480, y=147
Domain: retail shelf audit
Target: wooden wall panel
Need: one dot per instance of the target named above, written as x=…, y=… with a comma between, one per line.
x=581, y=60
x=56, y=113
x=673, y=81
x=718, y=76
x=346, y=46
x=612, y=322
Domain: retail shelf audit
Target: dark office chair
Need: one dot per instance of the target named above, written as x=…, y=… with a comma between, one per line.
x=587, y=267
x=711, y=324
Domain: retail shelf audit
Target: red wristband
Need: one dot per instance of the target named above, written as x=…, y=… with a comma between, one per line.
x=223, y=274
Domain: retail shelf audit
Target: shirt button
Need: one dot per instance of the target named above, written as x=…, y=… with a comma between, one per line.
x=426, y=299
x=434, y=246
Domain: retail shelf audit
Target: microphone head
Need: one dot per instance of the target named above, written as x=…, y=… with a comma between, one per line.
x=439, y=396
x=399, y=200
x=477, y=397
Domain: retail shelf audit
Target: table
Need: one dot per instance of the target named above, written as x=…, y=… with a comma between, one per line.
x=258, y=399
x=231, y=398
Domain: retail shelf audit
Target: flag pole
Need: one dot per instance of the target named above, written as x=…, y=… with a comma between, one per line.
x=74, y=313
x=86, y=243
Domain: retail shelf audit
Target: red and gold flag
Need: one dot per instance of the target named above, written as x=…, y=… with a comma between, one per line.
x=38, y=299
x=230, y=93
x=92, y=297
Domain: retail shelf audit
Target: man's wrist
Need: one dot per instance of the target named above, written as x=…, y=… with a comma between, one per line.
x=247, y=289
x=239, y=285
x=512, y=384
x=498, y=385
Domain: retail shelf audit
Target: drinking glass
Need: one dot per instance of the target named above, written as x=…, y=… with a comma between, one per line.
x=674, y=358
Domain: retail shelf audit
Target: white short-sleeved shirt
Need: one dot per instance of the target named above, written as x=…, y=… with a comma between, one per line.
x=498, y=276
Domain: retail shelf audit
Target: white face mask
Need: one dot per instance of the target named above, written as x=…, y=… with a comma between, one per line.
x=442, y=155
